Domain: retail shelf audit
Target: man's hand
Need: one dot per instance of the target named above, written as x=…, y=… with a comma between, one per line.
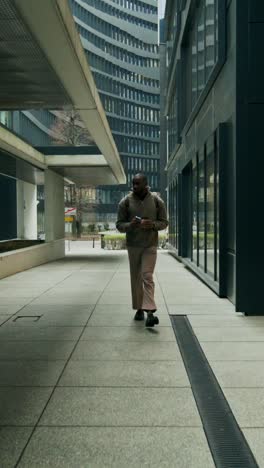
x=146, y=224
x=134, y=223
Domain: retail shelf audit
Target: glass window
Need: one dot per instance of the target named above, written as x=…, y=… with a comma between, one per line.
x=201, y=200
x=201, y=49
x=176, y=214
x=217, y=208
x=210, y=208
x=194, y=67
x=194, y=210
x=209, y=37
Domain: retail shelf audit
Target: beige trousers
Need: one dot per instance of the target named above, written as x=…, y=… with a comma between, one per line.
x=142, y=262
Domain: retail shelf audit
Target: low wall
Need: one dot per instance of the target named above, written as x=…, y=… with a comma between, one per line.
x=23, y=259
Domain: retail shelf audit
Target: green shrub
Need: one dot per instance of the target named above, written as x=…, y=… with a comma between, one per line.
x=117, y=241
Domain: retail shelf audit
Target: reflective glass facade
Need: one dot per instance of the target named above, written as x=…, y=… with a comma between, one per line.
x=196, y=47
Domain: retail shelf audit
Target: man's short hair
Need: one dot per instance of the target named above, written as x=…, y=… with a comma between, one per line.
x=142, y=176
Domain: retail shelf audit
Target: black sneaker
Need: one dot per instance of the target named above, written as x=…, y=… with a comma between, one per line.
x=139, y=315
x=151, y=320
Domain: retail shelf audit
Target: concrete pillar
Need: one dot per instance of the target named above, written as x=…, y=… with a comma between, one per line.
x=30, y=211
x=54, y=206
x=20, y=208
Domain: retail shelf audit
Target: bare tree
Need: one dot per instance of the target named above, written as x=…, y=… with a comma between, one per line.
x=68, y=129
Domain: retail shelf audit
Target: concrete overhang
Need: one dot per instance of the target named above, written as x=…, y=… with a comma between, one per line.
x=80, y=165
x=17, y=147
x=43, y=65
x=83, y=165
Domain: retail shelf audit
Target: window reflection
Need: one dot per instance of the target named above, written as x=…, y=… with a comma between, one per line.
x=209, y=37
x=194, y=67
x=210, y=208
x=194, y=211
x=217, y=209
x=173, y=214
x=172, y=122
x=201, y=51
x=201, y=205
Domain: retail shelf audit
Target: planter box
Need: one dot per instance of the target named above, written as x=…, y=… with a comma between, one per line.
x=22, y=259
x=16, y=244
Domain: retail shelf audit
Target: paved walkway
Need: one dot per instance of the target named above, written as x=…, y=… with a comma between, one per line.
x=86, y=386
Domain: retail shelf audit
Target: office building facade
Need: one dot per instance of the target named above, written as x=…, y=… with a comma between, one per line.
x=213, y=109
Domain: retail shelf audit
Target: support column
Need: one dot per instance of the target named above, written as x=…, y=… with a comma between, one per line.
x=20, y=209
x=30, y=211
x=54, y=206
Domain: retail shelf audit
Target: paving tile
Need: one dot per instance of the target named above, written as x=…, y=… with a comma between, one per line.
x=12, y=442
x=189, y=300
x=22, y=406
x=71, y=309
x=123, y=308
x=229, y=334
x=121, y=407
x=239, y=373
x=61, y=319
x=10, y=309
x=121, y=374
x=15, y=299
x=123, y=300
x=219, y=321
x=255, y=439
x=90, y=275
x=4, y=318
x=233, y=351
x=130, y=351
x=30, y=373
x=58, y=299
x=118, y=448
x=20, y=292
x=128, y=334
x=247, y=405
x=123, y=320
x=13, y=332
x=62, y=292
x=201, y=309
x=31, y=350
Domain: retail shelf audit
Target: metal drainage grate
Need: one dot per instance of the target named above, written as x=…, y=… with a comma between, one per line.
x=228, y=446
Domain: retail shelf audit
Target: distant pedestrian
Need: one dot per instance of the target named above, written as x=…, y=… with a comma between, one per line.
x=141, y=214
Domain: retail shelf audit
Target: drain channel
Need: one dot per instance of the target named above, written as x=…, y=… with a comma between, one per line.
x=228, y=446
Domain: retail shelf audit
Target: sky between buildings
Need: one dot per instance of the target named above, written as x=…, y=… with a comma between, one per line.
x=162, y=4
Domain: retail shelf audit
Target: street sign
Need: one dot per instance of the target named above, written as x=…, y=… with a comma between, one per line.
x=68, y=219
x=68, y=211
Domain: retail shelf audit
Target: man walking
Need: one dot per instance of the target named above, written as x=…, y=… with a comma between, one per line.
x=141, y=214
